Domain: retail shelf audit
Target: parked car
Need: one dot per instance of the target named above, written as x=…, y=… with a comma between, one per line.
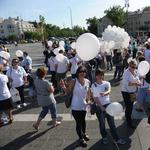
x=22, y=41
x=6, y=42
x=30, y=41
x=1, y=42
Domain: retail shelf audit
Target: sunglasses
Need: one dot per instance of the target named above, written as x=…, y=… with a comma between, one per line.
x=82, y=71
x=15, y=62
x=133, y=67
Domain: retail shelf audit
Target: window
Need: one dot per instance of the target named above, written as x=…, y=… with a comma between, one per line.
x=1, y=26
x=2, y=31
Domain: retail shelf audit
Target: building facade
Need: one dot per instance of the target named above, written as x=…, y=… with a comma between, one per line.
x=138, y=24
x=14, y=26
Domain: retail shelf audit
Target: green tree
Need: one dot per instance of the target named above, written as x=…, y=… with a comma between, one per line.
x=12, y=37
x=92, y=25
x=147, y=8
x=143, y=27
x=41, y=26
x=116, y=14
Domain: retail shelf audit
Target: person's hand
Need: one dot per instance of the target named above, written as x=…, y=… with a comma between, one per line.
x=25, y=84
x=138, y=83
x=62, y=83
x=148, y=91
x=27, y=70
x=103, y=108
x=11, y=80
x=88, y=103
x=102, y=94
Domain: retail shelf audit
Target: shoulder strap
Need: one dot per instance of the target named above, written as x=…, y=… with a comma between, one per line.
x=95, y=84
x=74, y=84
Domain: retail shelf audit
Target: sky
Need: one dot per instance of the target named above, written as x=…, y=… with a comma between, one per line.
x=56, y=12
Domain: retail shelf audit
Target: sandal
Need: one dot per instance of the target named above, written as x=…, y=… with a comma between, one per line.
x=138, y=109
x=58, y=123
x=36, y=127
x=86, y=137
x=83, y=143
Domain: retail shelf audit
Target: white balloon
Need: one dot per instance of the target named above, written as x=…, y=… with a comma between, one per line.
x=50, y=43
x=129, y=59
x=2, y=53
x=59, y=57
x=6, y=55
x=56, y=51
x=19, y=53
x=111, y=44
x=73, y=45
x=149, y=40
x=87, y=46
x=114, y=109
x=143, y=68
x=61, y=43
x=61, y=48
x=107, y=50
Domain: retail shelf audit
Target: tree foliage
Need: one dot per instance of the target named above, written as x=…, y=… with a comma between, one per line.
x=143, y=27
x=32, y=35
x=92, y=25
x=146, y=8
x=116, y=14
x=12, y=37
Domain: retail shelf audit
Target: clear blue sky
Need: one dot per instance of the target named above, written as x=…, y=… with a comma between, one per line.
x=56, y=12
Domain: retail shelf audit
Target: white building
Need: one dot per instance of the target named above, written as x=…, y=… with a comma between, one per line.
x=14, y=26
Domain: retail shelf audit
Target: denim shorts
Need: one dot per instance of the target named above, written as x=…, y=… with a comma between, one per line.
x=52, y=108
x=142, y=92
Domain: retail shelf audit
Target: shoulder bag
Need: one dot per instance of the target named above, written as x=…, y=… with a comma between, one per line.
x=69, y=96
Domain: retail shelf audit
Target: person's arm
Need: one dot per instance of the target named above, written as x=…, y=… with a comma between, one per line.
x=56, y=67
x=98, y=103
x=70, y=87
x=25, y=80
x=28, y=66
x=68, y=65
x=51, y=89
x=48, y=64
x=5, y=64
x=107, y=92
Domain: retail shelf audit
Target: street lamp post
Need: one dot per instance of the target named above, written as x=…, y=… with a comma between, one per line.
x=18, y=26
x=71, y=20
x=127, y=5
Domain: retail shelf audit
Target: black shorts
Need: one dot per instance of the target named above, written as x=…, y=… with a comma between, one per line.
x=6, y=104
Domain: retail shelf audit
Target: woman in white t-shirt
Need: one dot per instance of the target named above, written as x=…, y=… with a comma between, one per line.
x=81, y=89
x=101, y=103
x=69, y=52
x=18, y=78
x=51, y=63
x=6, y=102
x=130, y=83
x=5, y=64
x=74, y=65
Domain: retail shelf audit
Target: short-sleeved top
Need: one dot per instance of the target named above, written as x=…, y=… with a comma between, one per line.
x=103, y=100
x=62, y=66
x=42, y=87
x=74, y=65
x=21, y=63
x=52, y=61
x=4, y=91
x=27, y=59
x=5, y=68
x=17, y=76
x=69, y=53
x=79, y=95
x=128, y=77
x=120, y=63
x=79, y=60
x=147, y=55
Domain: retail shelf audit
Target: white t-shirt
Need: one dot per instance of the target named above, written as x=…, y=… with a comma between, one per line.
x=128, y=77
x=74, y=65
x=21, y=63
x=62, y=66
x=79, y=60
x=4, y=91
x=3, y=62
x=17, y=76
x=69, y=53
x=79, y=95
x=103, y=100
x=52, y=61
x=147, y=55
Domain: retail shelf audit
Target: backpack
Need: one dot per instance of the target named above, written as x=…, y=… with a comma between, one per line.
x=92, y=63
x=147, y=79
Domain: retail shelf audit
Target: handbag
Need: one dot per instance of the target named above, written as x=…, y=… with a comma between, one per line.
x=14, y=94
x=93, y=105
x=133, y=96
x=69, y=96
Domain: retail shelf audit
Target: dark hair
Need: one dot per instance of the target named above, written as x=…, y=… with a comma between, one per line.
x=14, y=60
x=141, y=58
x=26, y=53
x=73, y=54
x=99, y=71
x=81, y=67
x=40, y=72
x=20, y=58
x=61, y=51
x=148, y=46
x=52, y=54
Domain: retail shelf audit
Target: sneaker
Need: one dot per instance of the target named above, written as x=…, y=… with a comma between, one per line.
x=11, y=121
x=120, y=141
x=18, y=106
x=24, y=104
x=105, y=140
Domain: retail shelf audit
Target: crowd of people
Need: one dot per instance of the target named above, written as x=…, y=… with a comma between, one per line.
x=81, y=84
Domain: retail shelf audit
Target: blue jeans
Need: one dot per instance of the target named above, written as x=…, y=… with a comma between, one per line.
x=98, y=63
x=89, y=74
x=101, y=115
x=118, y=68
x=52, y=108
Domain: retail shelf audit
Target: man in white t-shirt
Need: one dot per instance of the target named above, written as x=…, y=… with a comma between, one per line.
x=61, y=69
